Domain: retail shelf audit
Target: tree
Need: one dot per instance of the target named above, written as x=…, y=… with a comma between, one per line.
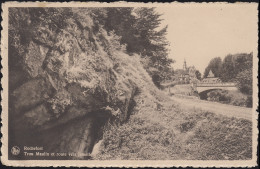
x=138, y=29
x=244, y=81
x=121, y=21
x=198, y=75
x=243, y=62
x=228, y=68
x=152, y=42
x=234, y=64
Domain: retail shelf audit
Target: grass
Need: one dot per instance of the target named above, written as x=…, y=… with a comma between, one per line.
x=184, y=89
x=162, y=130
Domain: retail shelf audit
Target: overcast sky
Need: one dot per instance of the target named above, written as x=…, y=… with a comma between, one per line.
x=200, y=32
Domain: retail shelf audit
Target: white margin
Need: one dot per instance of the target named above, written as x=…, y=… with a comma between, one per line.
x=115, y=163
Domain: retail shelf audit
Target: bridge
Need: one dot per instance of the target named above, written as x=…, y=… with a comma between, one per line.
x=201, y=87
x=204, y=88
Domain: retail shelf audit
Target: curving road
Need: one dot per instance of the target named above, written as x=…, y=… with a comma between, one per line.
x=224, y=109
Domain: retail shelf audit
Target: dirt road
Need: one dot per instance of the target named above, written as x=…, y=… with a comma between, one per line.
x=224, y=109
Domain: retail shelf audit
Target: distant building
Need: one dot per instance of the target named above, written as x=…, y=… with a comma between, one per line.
x=211, y=78
x=186, y=75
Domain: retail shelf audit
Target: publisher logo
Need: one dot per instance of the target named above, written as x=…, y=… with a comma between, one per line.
x=15, y=150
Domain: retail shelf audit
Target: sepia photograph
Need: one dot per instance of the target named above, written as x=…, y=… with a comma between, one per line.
x=129, y=84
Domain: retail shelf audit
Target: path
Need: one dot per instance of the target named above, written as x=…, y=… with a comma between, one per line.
x=224, y=109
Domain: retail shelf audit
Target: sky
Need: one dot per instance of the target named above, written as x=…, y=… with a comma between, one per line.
x=200, y=32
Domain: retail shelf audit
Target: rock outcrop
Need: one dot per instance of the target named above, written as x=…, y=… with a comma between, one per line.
x=68, y=82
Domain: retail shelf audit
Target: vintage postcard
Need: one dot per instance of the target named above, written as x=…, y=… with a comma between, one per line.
x=129, y=84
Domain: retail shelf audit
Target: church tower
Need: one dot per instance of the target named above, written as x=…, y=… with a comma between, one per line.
x=184, y=65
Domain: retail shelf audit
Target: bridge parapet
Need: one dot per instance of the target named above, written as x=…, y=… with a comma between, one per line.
x=216, y=84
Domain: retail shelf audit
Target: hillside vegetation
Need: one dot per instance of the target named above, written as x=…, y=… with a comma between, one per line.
x=160, y=129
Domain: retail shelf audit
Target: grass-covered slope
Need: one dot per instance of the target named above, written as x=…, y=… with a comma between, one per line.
x=161, y=130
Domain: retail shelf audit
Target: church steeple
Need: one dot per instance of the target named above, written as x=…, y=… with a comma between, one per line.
x=184, y=65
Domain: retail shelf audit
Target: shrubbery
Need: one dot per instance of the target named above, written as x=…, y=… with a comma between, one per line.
x=230, y=97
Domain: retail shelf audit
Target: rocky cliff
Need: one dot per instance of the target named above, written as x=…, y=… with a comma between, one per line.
x=67, y=80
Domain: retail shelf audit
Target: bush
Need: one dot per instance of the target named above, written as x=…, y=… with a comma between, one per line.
x=219, y=96
x=235, y=98
x=156, y=80
x=245, y=81
x=249, y=101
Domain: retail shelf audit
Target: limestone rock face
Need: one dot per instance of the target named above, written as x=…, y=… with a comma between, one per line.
x=75, y=82
x=32, y=119
x=38, y=115
x=34, y=58
x=30, y=94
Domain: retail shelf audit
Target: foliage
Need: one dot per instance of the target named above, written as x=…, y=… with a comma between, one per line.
x=244, y=81
x=215, y=65
x=219, y=96
x=138, y=29
x=198, y=75
x=228, y=69
x=235, y=98
x=234, y=64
